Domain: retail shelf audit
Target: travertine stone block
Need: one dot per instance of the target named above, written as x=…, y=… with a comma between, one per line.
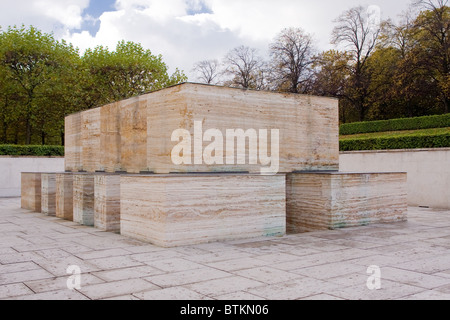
x=64, y=196
x=83, y=199
x=319, y=201
x=177, y=210
x=73, y=147
x=48, y=194
x=107, y=202
x=31, y=191
x=90, y=141
x=308, y=126
x=110, y=138
x=133, y=134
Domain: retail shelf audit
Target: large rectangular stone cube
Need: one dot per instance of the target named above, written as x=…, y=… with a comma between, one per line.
x=177, y=210
x=48, y=194
x=64, y=196
x=31, y=191
x=320, y=201
x=133, y=134
x=107, y=202
x=83, y=198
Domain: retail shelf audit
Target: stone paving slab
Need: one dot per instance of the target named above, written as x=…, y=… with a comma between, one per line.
x=36, y=250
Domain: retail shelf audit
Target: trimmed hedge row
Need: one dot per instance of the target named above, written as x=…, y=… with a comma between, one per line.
x=399, y=142
x=36, y=151
x=428, y=122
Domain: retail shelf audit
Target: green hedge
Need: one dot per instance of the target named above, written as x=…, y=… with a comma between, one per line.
x=37, y=151
x=399, y=142
x=429, y=122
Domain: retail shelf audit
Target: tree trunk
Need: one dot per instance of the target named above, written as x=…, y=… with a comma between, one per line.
x=43, y=137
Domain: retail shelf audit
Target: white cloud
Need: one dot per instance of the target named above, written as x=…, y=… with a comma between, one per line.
x=186, y=31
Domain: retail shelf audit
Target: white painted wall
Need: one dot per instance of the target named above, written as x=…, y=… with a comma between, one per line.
x=12, y=167
x=428, y=172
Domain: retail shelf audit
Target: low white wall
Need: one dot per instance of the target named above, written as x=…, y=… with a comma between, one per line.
x=428, y=172
x=12, y=167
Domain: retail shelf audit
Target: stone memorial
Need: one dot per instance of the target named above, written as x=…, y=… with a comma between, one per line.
x=197, y=163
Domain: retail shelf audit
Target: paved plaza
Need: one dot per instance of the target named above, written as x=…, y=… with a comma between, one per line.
x=412, y=260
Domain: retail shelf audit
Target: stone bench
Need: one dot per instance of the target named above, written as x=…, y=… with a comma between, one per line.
x=320, y=201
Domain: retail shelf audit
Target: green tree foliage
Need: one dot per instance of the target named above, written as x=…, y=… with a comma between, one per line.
x=32, y=65
x=128, y=71
x=42, y=80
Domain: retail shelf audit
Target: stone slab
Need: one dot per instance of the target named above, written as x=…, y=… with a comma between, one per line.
x=178, y=210
x=91, y=153
x=110, y=138
x=320, y=201
x=48, y=194
x=31, y=191
x=83, y=198
x=133, y=133
x=107, y=202
x=64, y=196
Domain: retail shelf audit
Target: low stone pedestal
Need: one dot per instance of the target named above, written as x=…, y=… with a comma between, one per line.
x=48, y=194
x=107, y=202
x=319, y=201
x=177, y=210
x=31, y=191
x=64, y=196
x=83, y=198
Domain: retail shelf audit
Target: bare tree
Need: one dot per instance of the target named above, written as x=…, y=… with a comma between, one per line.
x=435, y=21
x=207, y=71
x=402, y=35
x=244, y=67
x=358, y=30
x=292, y=52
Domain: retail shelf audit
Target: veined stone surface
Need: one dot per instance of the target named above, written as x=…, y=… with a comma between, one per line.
x=309, y=137
x=319, y=201
x=31, y=191
x=48, y=194
x=175, y=210
x=90, y=140
x=73, y=147
x=110, y=138
x=135, y=135
x=107, y=202
x=64, y=196
x=83, y=198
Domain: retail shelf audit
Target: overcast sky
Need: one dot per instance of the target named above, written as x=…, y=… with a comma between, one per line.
x=184, y=31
